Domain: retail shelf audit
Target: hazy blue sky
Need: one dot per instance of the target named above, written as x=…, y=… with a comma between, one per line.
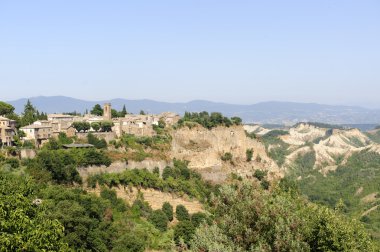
x=235, y=51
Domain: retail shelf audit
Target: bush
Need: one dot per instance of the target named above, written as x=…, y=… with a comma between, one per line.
x=260, y=174
x=184, y=231
x=156, y=171
x=249, y=154
x=98, y=143
x=59, y=163
x=265, y=184
x=159, y=219
x=141, y=208
x=81, y=126
x=207, y=120
x=129, y=242
x=110, y=195
x=198, y=218
x=95, y=126
x=106, y=126
x=226, y=156
x=93, y=157
x=13, y=162
x=181, y=213
x=167, y=208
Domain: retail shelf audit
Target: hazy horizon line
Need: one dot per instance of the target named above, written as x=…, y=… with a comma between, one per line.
x=356, y=104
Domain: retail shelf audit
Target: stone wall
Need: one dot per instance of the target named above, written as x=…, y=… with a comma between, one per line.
x=27, y=153
x=119, y=166
x=108, y=136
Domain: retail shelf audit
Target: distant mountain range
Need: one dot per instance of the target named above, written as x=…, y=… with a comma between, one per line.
x=264, y=112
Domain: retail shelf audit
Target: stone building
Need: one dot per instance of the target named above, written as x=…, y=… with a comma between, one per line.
x=7, y=131
x=107, y=112
x=39, y=131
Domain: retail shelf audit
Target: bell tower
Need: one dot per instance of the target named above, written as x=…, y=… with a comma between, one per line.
x=107, y=112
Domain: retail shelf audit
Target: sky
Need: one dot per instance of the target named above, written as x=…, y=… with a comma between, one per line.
x=242, y=52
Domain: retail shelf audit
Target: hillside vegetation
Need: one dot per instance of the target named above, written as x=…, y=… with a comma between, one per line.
x=240, y=200
x=333, y=167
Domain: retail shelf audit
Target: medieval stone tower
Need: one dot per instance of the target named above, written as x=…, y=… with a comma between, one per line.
x=107, y=112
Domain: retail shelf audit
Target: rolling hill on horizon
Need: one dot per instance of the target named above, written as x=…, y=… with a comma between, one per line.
x=274, y=112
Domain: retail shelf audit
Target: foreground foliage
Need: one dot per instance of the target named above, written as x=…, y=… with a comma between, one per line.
x=249, y=219
x=24, y=223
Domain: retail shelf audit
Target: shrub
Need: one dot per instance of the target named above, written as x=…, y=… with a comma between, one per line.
x=167, y=208
x=198, y=218
x=13, y=162
x=106, y=126
x=129, y=242
x=98, y=143
x=184, y=231
x=159, y=219
x=260, y=174
x=181, y=213
x=265, y=184
x=207, y=120
x=156, y=171
x=95, y=126
x=141, y=208
x=226, y=156
x=249, y=154
x=110, y=195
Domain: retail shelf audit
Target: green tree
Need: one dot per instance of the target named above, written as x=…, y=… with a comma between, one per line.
x=6, y=109
x=260, y=174
x=78, y=126
x=123, y=112
x=198, y=218
x=59, y=163
x=142, y=112
x=29, y=115
x=184, y=231
x=236, y=120
x=114, y=113
x=97, y=110
x=81, y=126
x=181, y=213
x=129, y=242
x=159, y=219
x=106, y=126
x=167, y=208
x=24, y=222
x=95, y=126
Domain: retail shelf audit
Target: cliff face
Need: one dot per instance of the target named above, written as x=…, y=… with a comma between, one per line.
x=203, y=148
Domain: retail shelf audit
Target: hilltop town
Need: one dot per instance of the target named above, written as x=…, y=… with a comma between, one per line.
x=104, y=126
